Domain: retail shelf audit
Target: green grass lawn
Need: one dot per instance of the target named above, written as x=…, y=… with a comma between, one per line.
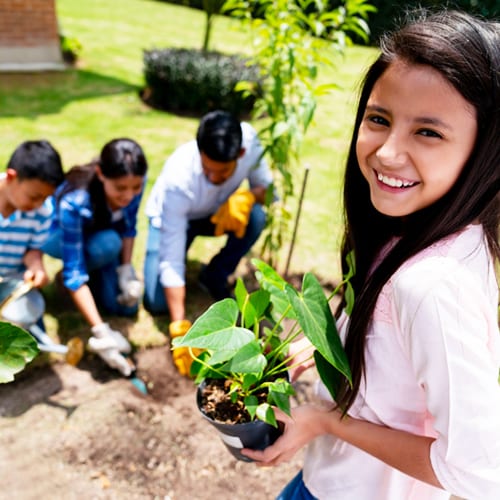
x=82, y=108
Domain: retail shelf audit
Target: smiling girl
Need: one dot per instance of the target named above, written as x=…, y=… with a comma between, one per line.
x=93, y=233
x=421, y=419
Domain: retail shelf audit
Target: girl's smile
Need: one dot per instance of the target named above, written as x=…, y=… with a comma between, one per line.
x=119, y=192
x=394, y=182
x=416, y=135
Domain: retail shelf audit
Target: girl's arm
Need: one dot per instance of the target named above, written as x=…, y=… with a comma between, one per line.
x=85, y=303
x=127, y=249
x=404, y=451
x=74, y=268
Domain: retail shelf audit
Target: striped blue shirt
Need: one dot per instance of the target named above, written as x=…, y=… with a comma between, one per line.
x=20, y=232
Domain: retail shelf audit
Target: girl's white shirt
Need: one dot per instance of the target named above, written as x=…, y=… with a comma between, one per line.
x=432, y=367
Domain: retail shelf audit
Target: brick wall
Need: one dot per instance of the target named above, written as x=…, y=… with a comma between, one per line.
x=29, y=33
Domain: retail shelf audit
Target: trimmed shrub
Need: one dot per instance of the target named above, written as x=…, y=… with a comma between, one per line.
x=193, y=81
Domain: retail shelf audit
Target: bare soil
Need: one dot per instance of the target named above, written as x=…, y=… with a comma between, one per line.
x=85, y=432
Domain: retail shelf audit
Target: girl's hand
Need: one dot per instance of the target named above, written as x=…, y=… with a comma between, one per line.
x=306, y=423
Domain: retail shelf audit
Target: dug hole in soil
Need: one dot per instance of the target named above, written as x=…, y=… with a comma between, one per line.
x=85, y=432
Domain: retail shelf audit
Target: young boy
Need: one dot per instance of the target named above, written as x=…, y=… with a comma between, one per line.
x=33, y=173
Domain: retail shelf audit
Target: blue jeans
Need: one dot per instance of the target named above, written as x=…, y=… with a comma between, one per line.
x=296, y=490
x=222, y=265
x=102, y=257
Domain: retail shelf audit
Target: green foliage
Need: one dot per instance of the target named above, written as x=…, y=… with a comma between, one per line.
x=196, y=81
x=245, y=343
x=389, y=14
x=71, y=48
x=17, y=348
x=292, y=40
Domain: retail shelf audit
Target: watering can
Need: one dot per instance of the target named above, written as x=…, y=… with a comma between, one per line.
x=24, y=305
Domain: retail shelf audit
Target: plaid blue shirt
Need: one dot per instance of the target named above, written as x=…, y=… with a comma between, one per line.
x=74, y=215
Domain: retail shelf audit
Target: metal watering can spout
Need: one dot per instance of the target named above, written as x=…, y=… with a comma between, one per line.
x=23, y=305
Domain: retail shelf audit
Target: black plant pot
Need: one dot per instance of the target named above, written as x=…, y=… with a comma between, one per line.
x=256, y=435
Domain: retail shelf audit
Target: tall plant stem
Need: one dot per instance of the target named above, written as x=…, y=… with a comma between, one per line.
x=297, y=217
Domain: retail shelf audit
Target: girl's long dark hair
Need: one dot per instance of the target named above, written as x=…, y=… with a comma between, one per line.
x=465, y=50
x=118, y=158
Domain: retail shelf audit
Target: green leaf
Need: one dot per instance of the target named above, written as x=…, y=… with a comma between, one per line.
x=349, y=298
x=17, y=348
x=349, y=290
x=200, y=369
x=266, y=414
x=318, y=324
x=351, y=265
x=267, y=275
x=240, y=293
x=271, y=281
x=215, y=330
x=329, y=375
x=248, y=359
x=254, y=307
x=279, y=394
x=251, y=403
x=249, y=380
x=280, y=129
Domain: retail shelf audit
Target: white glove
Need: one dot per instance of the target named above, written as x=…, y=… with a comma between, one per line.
x=104, y=331
x=106, y=348
x=130, y=286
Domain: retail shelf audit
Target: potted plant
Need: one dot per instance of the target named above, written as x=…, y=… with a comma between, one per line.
x=243, y=369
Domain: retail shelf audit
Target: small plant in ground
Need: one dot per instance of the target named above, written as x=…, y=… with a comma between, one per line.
x=247, y=347
x=71, y=48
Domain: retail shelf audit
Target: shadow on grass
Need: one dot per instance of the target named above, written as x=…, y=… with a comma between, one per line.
x=32, y=94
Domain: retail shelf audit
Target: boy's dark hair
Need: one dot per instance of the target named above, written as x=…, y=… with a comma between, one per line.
x=464, y=50
x=37, y=160
x=219, y=136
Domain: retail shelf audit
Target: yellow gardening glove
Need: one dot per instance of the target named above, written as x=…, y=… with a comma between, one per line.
x=182, y=355
x=233, y=215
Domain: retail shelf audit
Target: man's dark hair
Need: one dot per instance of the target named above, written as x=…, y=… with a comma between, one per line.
x=219, y=136
x=37, y=160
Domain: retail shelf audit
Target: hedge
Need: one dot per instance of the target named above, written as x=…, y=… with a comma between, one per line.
x=190, y=80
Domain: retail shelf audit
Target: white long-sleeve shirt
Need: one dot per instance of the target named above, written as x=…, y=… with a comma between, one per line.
x=182, y=193
x=432, y=367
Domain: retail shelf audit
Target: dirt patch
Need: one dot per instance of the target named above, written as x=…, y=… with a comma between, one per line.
x=84, y=432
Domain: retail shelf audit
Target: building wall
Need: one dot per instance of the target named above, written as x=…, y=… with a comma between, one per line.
x=29, y=38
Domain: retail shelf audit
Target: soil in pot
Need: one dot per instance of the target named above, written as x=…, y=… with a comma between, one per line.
x=236, y=428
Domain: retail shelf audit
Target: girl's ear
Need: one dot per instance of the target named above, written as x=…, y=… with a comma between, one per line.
x=11, y=175
x=98, y=172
